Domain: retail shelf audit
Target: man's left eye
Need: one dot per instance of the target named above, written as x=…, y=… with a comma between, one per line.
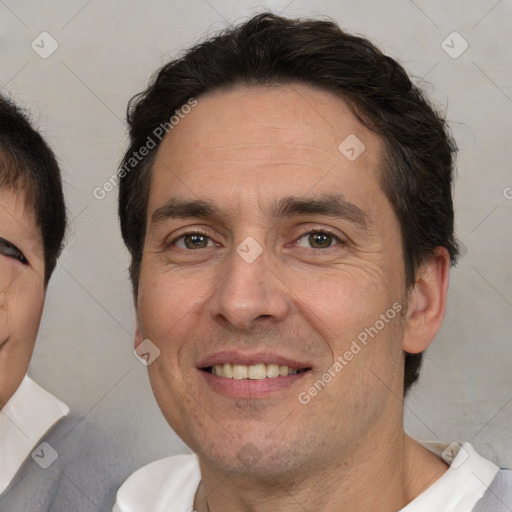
x=318, y=240
x=193, y=241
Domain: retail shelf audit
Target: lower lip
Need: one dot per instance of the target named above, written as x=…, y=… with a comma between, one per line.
x=248, y=388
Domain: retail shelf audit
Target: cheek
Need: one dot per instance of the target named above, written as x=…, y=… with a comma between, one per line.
x=165, y=311
x=21, y=308
x=167, y=307
x=359, y=318
x=341, y=303
x=20, y=314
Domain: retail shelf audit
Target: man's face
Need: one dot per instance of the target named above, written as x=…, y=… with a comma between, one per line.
x=268, y=243
x=22, y=289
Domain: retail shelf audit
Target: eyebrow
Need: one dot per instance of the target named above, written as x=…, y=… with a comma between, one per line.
x=184, y=209
x=330, y=205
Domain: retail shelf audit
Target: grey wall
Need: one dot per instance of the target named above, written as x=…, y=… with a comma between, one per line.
x=106, y=53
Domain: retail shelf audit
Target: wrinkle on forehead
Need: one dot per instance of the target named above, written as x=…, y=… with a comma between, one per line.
x=261, y=124
x=265, y=143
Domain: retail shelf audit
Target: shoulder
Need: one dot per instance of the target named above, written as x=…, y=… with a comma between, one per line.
x=498, y=497
x=165, y=485
x=502, y=484
x=29, y=417
x=36, y=484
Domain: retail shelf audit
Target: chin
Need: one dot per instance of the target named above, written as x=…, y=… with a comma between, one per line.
x=261, y=459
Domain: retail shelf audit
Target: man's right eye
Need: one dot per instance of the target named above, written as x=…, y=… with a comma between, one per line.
x=10, y=250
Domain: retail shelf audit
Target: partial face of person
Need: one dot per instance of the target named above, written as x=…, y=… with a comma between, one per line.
x=22, y=289
x=272, y=281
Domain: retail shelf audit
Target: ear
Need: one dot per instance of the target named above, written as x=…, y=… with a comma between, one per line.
x=427, y=302
x=138, y=338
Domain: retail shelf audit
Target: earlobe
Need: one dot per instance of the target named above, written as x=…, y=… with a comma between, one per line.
x=427, y=302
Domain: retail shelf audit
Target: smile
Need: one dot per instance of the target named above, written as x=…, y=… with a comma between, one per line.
x=253, y=372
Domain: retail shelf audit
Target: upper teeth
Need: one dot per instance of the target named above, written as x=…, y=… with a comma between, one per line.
x=254, y=371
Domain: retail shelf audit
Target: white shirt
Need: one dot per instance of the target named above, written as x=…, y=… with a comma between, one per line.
x=170, y=485
x=25, y=419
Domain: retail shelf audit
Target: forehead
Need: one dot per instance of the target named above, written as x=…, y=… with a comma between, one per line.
x=17, y=217
x=262, y=141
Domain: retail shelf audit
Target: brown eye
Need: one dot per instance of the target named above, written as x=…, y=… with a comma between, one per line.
x=318, y=240
x=12, y=251
x=193, y=241
x=196, y=241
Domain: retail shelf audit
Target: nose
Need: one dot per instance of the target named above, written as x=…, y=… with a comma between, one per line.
x=249, y=292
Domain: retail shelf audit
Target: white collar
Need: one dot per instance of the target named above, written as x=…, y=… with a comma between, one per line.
x=461, y=486
x=25, y=419
x=167, y=483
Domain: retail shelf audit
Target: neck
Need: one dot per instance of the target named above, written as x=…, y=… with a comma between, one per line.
x=374, y=476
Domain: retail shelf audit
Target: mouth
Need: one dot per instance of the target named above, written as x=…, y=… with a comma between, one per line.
x=258, y=371
x=236, y=374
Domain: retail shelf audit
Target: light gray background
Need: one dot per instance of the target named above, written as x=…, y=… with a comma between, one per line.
x=107, y=52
